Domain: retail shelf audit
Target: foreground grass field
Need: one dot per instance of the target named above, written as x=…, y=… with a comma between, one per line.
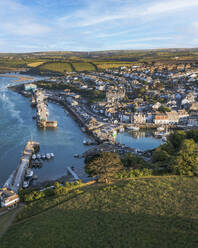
x=147, y=212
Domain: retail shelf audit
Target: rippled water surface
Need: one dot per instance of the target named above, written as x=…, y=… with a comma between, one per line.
x=17, y=127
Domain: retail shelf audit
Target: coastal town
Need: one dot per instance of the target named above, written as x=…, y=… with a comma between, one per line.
x=155, y=96
x=146, y=96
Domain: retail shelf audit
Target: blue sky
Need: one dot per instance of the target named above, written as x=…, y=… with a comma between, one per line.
x=88, y=25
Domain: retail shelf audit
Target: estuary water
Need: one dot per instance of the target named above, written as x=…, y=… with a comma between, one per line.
x=17, y=127
x=142, y=140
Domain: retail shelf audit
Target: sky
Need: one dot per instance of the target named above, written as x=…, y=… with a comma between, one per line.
x=94, y=25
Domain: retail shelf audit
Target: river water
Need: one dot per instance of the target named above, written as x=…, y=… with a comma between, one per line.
x=17, y=127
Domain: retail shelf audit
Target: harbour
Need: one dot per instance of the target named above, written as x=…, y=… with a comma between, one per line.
x=65, y=141
x=19, y=127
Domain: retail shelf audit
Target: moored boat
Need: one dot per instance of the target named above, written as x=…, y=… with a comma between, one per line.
x=160, y=129
x=48, y=156
x=134, y=128
x=26, y=184
x=29, y=173
x=38, y=156
x=43, y=156
x=52, y=155
x=34, y=156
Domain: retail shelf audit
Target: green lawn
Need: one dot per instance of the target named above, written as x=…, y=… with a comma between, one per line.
x=141, y=213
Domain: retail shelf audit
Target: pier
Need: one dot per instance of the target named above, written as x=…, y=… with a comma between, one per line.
x=75, y=176
x=16, y=179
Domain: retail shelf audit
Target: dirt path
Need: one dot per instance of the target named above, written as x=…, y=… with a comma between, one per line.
x=8, y=219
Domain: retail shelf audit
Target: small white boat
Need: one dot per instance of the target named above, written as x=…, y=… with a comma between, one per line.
x=48, y=156
x=38, y=156
x=134, y=128
x=52, y=155
x=121, y=130
x=29, y=173
x=34, y=156
x=164, y=138
x=160, y=129
x=26, y=184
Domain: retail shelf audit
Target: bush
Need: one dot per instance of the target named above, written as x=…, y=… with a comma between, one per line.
x=131, y=173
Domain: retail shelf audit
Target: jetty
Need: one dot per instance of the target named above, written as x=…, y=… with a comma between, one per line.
x=75, y=176
x=16, y=179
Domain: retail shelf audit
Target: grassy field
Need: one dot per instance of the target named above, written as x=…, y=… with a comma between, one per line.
x=56, y=67
x=35, y=64
x=112, y=64
x=83, y=66
x=143, y=213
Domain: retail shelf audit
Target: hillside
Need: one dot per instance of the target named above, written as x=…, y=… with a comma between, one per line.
x=146, y=212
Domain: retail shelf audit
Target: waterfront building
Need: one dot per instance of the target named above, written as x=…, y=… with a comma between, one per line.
x=8, y=197
x=30, y=87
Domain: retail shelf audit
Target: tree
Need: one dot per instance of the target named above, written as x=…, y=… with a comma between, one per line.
x=186, y=161
x=192, y=134
x=160, y=155
x=177, y=138
x=133, y=161
x=163, y=109
x=104, y=166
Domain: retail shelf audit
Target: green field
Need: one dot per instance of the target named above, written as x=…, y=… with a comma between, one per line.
x=83, y=66
x=144, y=213
x=56, y=67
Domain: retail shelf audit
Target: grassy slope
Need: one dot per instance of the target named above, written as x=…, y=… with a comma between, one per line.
x=150, y=212
x=83, y=66
x=57, y=67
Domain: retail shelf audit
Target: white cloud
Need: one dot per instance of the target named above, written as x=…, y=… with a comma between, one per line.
x=170, y=6
x=29, y=29
x=18, y=19
x=90, y=15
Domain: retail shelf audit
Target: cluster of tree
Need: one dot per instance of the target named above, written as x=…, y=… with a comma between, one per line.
x=108, y=165
x=163, y=109
x=104, y=166
x=179, y=155
x=133, y=161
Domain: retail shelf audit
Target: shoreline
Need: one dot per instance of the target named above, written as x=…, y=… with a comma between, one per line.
x=19, y=78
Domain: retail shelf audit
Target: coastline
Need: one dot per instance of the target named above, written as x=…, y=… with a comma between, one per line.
x=19, y=78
